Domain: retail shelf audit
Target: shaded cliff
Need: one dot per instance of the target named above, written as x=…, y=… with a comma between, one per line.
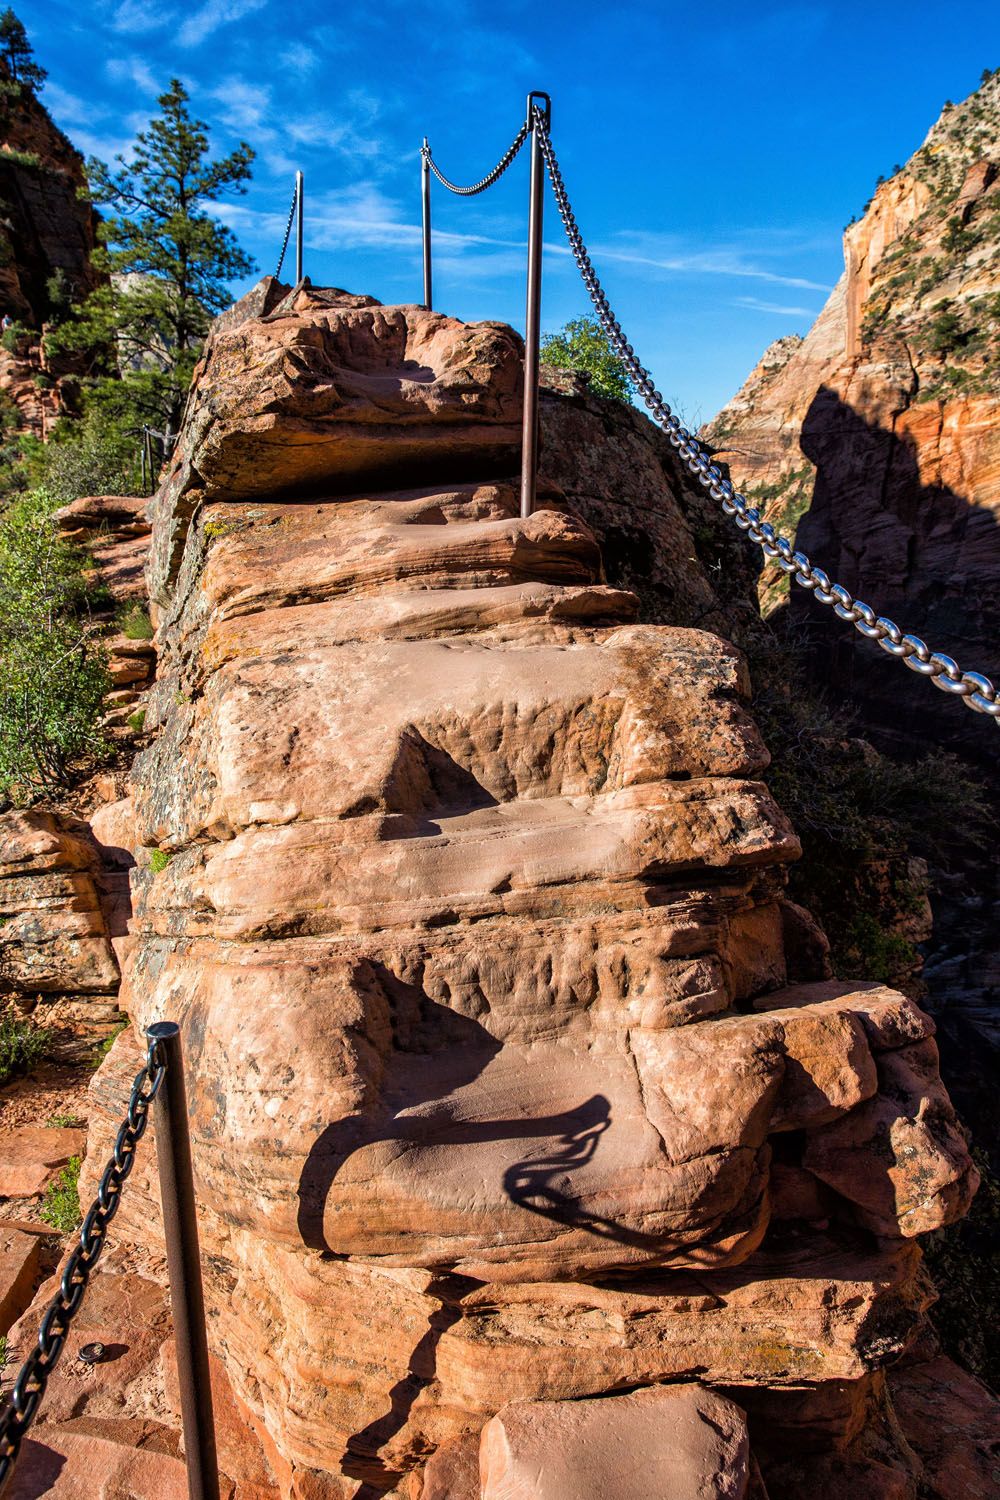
x=875, y=441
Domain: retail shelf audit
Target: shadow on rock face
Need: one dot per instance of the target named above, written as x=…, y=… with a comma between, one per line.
x=415, y=1080
x=920, y=552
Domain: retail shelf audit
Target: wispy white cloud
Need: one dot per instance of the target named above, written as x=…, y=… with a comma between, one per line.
x=756, y=305
x=297, y=57
x=215, y=13
x=136, y=16
x=245, y=106
x=70, y=110
x=714, y=261
x=135, y=70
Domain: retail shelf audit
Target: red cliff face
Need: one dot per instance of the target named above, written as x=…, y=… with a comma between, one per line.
x=875, y=440
x=46, y=240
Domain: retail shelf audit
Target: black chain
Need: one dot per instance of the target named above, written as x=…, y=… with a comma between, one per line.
x=33, y=1377
x=288, y=231
x=976, y=691
x=491, y=177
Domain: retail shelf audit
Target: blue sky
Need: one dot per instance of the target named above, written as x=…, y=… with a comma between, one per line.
x=713, y=152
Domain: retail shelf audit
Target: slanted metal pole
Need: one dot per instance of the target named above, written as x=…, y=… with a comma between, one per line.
x=532, y=321
x=299, y=195
x=425, y=201
x=180, y=1226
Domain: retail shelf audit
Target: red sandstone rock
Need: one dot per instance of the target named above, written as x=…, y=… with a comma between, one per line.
x=18, y=1267
x=30, y=1155
x=953, y=1422
x=666, y=1443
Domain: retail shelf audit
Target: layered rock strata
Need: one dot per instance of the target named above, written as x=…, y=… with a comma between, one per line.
x=464, y=891
x=59, y=906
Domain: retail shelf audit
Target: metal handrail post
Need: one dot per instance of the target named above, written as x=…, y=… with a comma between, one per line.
x=180, y=1227
x=425, y=202
x=532, y=321
x=299, y=214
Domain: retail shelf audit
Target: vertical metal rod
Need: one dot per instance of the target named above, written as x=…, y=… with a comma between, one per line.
x=425, y=200
x=532, y=321
x=180, y=1225
x=299, y=196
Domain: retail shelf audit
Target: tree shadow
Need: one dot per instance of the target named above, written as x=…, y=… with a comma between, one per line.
x=921, y=553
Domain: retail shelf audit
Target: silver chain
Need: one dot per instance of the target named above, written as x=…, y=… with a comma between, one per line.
x=976, y=691
x=491, y=178
x=288, y=231
x=33, y=1377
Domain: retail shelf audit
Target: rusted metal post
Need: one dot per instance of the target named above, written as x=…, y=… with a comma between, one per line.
x=299, y=215
x=425, y=201
x=180, y=1226
x=532, y=321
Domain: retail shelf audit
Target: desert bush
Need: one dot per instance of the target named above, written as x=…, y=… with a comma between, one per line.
x=61, y=1203
x=94, y=455
x=963, y=1263
x=53, y=674
x=22, y=1045
x=135, y=624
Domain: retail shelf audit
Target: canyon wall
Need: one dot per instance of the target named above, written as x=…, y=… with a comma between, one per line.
x=875, y=440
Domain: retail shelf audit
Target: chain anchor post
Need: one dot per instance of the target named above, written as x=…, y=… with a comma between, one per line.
x=299, y=220
x=180, y=1225
x=425, y=217
x=533, y=313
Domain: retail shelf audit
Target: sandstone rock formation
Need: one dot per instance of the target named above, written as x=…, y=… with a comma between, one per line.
x=57, y=903
x=464, y=891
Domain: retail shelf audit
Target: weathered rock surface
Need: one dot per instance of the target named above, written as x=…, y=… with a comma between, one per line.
x=56, y=956
x=463, y=890
x=114, y=530
x=667, y=1443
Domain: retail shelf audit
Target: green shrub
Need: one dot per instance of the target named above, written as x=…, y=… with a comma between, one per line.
x=53, y=674
x=66, y=1122
x=583, y=345
x=134, y=623
x=137, y=721
x=22, y=1045
x=102, y=1048
x=94, y=455
x=945, y=334
x=158, y=860
x=61, y=1203
x=963, y=1262
x=12, y=337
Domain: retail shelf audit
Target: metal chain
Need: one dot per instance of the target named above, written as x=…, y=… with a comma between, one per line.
x=33, y=1377
x=976, y=691
x=288, y=231
x=486, y=182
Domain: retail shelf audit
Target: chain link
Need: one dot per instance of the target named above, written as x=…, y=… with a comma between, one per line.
x=491, y=178
x=288, y=231
x=975, y=690
x=33, y=1377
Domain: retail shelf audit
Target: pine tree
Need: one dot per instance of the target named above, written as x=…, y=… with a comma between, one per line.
x=17, y=56
x=168, y=261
